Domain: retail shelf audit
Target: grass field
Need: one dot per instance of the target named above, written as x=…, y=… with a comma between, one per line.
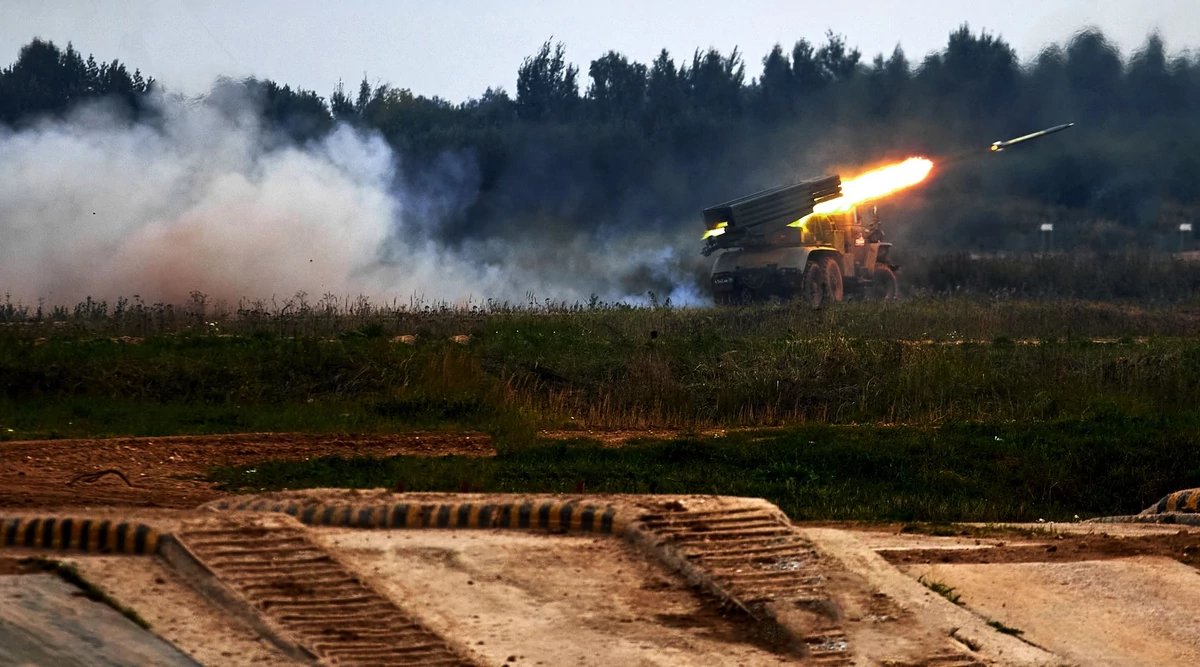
x=932, y=408
x=957, y=472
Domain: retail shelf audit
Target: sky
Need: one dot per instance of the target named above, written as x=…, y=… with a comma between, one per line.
x=455, y=49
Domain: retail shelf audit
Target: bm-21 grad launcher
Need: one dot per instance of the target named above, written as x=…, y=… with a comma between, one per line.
x=807, y=240
x=754, y=219
x=772, y=244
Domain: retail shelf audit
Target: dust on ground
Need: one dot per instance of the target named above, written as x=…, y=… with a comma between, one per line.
x=170, y=471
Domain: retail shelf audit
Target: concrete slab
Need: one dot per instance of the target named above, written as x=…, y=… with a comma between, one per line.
x=179, y=614
x=1113, y=613
x=535, y=599
x=932, y=616
x=43, y=621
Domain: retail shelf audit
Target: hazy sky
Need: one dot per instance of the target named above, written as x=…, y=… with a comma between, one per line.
x=457, y=48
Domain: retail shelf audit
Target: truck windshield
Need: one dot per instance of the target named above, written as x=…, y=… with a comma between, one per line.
x=817, y=230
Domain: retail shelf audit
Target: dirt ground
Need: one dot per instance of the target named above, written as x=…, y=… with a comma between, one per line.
x=1123, y=612
x=616, y=438
x=168, y=471
x=529, y=599
x=1177, y=543
x=17, y=565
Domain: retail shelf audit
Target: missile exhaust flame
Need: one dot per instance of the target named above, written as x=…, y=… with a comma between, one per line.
x=871, y=185
x=877, y=183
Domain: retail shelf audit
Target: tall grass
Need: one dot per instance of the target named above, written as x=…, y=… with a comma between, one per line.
x=1108, y=464
x=1134, y=275
x=921, y=361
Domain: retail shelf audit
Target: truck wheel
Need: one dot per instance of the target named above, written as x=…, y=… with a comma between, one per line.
x=884, y=287
x=834, y=290
x=813, y=287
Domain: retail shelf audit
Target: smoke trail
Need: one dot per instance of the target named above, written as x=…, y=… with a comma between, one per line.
x=94, y=206
x=204, y=200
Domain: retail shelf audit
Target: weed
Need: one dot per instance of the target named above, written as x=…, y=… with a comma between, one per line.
x=936, y=530
x=942, y=590
x=1000, y=627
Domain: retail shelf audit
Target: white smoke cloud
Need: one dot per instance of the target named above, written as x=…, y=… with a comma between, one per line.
x=202, y=201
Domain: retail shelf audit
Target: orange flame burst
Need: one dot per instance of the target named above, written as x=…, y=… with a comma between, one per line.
x=877, y=183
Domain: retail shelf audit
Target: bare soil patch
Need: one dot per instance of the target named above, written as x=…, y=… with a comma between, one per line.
x=16, y=566
x=1182, y=545
x=619, y=437
x=169, y=471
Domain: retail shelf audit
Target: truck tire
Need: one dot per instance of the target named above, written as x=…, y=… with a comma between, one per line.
x=834, y=289
x=885, y=287
x=814, y=286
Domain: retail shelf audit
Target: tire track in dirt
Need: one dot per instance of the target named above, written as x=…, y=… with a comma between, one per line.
x=313, y=600
x=169, y=471
x=751, y=557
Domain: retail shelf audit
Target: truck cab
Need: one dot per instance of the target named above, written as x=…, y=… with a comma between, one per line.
x=821, y=258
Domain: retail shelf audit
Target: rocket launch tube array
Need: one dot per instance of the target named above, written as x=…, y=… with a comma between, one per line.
x=766, y=211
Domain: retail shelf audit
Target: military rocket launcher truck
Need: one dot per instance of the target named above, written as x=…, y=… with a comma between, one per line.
x=771, y=245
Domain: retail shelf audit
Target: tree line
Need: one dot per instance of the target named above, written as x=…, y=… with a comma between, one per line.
x=635, y=146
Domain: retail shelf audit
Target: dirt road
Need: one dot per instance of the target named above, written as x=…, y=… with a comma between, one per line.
x=169, y=471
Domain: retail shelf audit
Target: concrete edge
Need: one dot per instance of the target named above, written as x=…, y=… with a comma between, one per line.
x=953, y=621
x=568, y=516
x=1185, y=500
x=202, y=580
x=655, y=546
x=96, y=536
x=1181, y=518
x=461, y=648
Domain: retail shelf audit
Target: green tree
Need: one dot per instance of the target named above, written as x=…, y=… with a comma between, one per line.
x=835, y=61
x=48, y=80
x=341, y=106
x=547, y=85
x=300, y=114
x=887, y=82
x=978, y=73
x=665, y=96
x=714, y=82
x=1094, y=74
x=776, y=87
x=807, y=75
x=492, y=109
x=618, y=88
x=1151, y=88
